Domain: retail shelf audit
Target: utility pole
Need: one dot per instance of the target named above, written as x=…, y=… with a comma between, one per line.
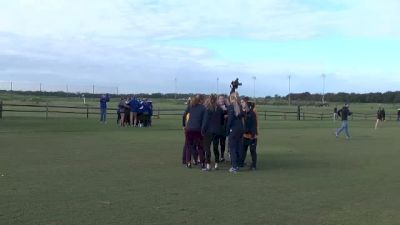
x=290, y=77
x=254, y=87
x=217, y=85
x=175, y=86
x=323, y=88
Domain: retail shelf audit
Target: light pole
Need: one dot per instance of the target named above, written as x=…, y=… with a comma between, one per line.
x=175, y=85
x=289, y=77
x=217, y=85
x=254, y=87
x=323, y=88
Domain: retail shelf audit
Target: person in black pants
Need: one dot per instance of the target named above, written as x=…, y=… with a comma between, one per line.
x=235, y=131
x=398, y=115
x=220, y=139
x=250, y=133
x=213, y=118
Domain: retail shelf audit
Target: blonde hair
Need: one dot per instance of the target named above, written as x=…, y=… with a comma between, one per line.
x=211, y=102
x=234, y=100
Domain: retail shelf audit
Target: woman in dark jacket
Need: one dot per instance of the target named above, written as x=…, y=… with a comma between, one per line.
x=235, y=131
x=193, y=130
x=213, y=118
x=220, y=139
x=250, y=132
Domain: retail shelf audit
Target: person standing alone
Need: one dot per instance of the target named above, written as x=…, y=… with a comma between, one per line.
x=103, y=107
x=344, y=113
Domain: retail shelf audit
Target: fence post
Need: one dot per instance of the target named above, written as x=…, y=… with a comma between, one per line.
x=158, y=114
x=298, y=112
x=47, y=110
x=1, y=109
x=304, y=116
x=265, y=115
x=87, y=111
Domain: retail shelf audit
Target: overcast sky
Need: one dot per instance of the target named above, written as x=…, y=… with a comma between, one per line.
x=143, y=45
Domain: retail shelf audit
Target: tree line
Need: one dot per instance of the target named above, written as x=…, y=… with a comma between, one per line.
x=376, y=97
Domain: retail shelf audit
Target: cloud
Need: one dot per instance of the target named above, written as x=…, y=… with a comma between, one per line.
x=122, y=41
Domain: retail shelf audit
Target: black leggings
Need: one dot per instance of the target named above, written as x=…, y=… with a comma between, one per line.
x=215, y=140
x=252, y=143
x=220, y=140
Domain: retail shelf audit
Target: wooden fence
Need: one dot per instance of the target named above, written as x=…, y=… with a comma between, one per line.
x=86, y=111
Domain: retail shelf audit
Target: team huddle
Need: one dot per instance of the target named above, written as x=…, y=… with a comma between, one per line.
x=134, y=112
x=211, y=121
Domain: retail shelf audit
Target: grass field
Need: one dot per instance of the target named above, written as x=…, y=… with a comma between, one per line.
x=77, y=171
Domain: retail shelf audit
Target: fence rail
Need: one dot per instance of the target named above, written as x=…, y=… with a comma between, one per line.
x=87, y=111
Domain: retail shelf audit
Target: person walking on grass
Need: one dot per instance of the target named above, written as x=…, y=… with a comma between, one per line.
x=398, y=115
x=103, y=107
x=344, y=113
x=379, y=117
x=235, y=131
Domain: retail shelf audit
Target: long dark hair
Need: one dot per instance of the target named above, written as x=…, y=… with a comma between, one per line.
x=212, y=102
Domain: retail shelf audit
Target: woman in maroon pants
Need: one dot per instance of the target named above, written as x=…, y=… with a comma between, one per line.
x=193, y=127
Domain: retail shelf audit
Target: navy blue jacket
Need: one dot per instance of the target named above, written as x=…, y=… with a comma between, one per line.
x=134, y=104
x=213, y=120
x=345, y=113
x=234, y=126
x=103, y=101
x=196, y=118
x=250, y=123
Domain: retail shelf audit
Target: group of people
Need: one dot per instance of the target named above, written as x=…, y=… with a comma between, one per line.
x=213, y=120
x=134, y=112
x=131, y=111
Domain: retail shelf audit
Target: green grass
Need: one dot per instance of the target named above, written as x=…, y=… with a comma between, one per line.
x=77, y=171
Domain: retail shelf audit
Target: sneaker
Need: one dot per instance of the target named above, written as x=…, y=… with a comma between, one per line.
x=233, y=170
x=205, y=169
x=222, y=160
x=189, y=165
x=216, y=166
x=336, y=134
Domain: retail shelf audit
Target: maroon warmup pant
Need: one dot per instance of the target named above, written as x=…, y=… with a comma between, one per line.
x=194, y=142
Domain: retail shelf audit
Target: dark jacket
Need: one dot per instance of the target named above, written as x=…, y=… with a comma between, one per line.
x=234, y=126
x=103, y=101
x=196, y=117
x=250, y=124
x=344, y=113
x=213, y=120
